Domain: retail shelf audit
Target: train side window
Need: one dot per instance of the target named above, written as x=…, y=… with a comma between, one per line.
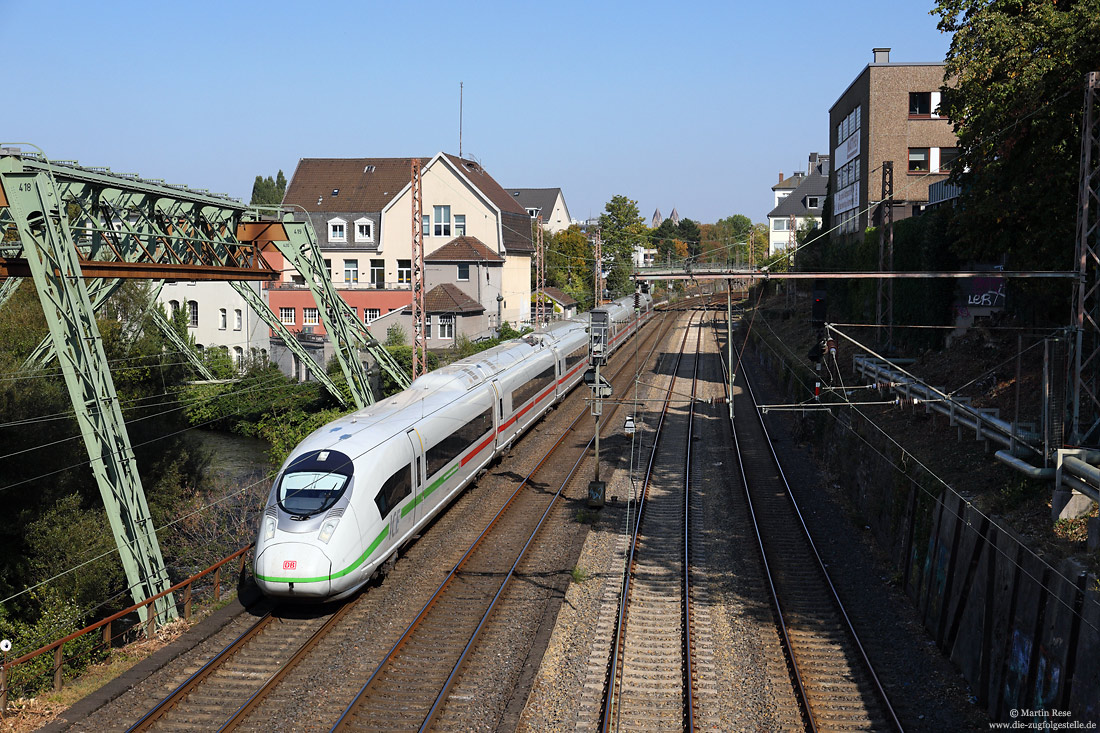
x=396, y=488
x=451, y=447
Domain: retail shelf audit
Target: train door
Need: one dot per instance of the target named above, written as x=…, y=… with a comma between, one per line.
x=498, y=411
x=401, y=521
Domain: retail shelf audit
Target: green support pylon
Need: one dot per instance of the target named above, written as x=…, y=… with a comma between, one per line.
x=260, y=308
x=53, y=259
x=304, y=256
x=98, y=291
x=8, y=288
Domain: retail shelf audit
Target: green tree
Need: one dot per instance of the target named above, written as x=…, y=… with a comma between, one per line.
x=687, y=231
x=621, y=230
x=268, y=191
x=569, y=264
x=1016, y=72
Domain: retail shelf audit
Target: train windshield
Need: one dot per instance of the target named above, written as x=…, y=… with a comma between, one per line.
x=313, y=482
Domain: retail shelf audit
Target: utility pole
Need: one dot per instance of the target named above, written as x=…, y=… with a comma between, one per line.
x=419, y=350
x=1086, y=297
x=599, y=270
x=540, y=276
x=460, y=119
x=885, y=314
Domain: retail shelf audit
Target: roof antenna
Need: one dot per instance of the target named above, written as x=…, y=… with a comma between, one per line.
x=460, y=119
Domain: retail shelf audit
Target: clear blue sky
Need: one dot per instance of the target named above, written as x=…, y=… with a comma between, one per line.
x=696, y=106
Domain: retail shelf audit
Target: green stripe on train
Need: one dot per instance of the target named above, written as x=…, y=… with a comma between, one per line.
x=362, y=558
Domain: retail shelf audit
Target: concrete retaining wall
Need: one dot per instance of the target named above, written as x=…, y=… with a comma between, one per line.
x=1024, y=634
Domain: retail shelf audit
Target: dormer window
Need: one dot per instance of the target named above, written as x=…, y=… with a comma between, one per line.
x=337, y=231
x=533, y=212
x=335, y=192
x=364, y=230
x=813, y=202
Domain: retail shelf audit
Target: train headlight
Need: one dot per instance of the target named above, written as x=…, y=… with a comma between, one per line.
x=327, y=529
x=269, y=528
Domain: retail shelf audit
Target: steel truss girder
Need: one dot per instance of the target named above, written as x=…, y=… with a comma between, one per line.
x=98, y=291
x=300, y=248
x=1085, y=405
x=39, y=213
x=123, y=227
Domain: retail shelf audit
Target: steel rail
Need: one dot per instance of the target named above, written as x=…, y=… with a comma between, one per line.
x=272, y=682
x=343, y=721
x=689, y=687
x=800, y=690
x=187, y=686
x=620, y=624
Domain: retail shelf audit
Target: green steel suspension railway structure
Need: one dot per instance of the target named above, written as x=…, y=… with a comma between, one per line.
x=79, y=232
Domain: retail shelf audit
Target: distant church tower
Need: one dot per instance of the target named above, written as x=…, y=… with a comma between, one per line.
x=674, y=217
x=657, y=219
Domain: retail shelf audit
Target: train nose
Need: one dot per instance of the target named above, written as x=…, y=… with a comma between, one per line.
x=294, y=570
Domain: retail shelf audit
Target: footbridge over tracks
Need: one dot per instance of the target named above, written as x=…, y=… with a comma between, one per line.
x=78, y=231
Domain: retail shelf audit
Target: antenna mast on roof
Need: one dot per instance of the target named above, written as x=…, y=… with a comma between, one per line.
x=460, y=119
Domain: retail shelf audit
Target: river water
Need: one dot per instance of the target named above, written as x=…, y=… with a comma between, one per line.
x=234, y=459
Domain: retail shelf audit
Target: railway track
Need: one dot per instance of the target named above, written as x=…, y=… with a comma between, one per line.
x=410, y=688
x=650, y=674
x=833, y=679
x=221, y=693
x=233, y=684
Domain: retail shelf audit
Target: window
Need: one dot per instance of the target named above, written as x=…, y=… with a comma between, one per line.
x=238, y=319
x=533, y=212
x=463, y=272
x=286, y=316
x=920, y=104
x=173, y=307
x=526, y=391
x=442, y=221
x=396, y=488
x=221, y=319
x=918, y=160
x=310, y=317
x=328, y=267
x=364, y=230
x=447, y=326
x=313, y=482
x=371, y=314
x=451, y=447
x=404, y=271
x=426, y=225
x=460, y=225
x=427, y=327
x=813, y=202
x=947, y=158
x=336, y=231
x=238, y=358
x=378, y=273
x=351, y=271
x=779, y=225
x=193, y=313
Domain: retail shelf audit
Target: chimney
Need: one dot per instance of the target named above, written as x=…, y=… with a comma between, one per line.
x=882, y=55
x=780, y=176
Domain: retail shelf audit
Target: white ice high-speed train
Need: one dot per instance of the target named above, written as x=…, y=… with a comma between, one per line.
x=357, y=489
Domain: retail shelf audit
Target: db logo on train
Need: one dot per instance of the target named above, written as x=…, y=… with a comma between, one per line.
x=290, y=564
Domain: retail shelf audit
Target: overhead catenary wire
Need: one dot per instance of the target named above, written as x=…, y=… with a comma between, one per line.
x=947, y=487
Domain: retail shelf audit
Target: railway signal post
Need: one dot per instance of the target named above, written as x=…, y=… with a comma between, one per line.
x=598, y=331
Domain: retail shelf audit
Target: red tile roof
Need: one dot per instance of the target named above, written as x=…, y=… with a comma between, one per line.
x=359, y=187
x=464, y=249
x=447, y=298
x=559, y=296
